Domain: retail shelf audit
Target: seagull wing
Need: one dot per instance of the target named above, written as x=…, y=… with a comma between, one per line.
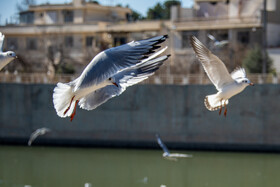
x=213, y=66
x=238, y=73
x=123, y=79
x=180, y=155
x=33, y=136
x=37, y=133
x=162, y=145
x=111, y=61
x=2, y=37
x=211, y=37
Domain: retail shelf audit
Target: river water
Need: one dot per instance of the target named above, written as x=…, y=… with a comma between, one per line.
x=94, y=167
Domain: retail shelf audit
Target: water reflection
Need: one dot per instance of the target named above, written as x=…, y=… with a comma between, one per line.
x=59, y=167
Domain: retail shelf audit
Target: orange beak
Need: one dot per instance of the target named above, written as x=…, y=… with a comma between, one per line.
x=251, y=84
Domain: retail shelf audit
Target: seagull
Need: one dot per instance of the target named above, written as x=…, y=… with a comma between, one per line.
x=37, y=133
x=5, y=57
x=108, y=75
x=167, y=154
x=217, y=43
x=227, y=84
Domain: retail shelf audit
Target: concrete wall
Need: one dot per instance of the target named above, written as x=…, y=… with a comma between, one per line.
x=177, y=113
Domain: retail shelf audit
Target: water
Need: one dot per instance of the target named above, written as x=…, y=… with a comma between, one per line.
x=91, y=167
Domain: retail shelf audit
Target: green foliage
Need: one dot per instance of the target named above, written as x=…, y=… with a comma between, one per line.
x=253, y=61
x=94, y=2
x=168, y=5
x=65, y=69
x=136, y=16
x=161, y=11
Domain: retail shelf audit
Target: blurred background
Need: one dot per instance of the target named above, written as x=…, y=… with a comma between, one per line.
x=54, y=41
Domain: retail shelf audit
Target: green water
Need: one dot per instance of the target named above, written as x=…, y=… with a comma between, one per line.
x=73, y=167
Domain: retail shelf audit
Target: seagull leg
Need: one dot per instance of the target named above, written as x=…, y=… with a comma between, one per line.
x=221, y=107
x=69, y=106
x=74, y=112
x=225, y=113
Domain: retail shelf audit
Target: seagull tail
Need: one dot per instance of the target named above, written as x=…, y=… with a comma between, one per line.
x=62, y=99
x=213, y=102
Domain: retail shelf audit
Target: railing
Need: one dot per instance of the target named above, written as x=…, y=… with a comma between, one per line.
x=42, y=78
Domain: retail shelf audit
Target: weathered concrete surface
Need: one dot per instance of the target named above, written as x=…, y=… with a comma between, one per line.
x=177, y=113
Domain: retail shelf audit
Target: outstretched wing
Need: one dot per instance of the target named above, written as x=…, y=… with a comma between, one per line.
x=37, y=133
x=162, y=145
x=213, y=66
x=123, y=79
x=111, y=61
x=2, y=37
x=238, y=73
x=211, y=37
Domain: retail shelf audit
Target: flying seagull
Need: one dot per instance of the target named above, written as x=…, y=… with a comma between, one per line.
x=37, y=133
x=167, y=154
x=108, y=75
x=5, y=57
x=217, y=43
x=227, y=84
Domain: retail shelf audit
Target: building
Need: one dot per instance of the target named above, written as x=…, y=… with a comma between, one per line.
x=64, y=38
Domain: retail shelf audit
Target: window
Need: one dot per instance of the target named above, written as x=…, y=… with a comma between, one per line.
x=12, y=43
x=51, y=17
x=243, y=37
x=68, y=41
x=31, y=43
x=26, y=17
x=89, y=40
x=119, y=41
x=68, y=16
x=185, y=38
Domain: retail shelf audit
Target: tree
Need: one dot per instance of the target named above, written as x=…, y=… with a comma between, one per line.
x=253, y=61
x=168, y=5
x=156, y=13
x=162, y=11
x=24, y=5
x=136, y=16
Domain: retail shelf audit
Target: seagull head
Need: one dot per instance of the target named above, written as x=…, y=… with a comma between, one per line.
x=10, y=54
x=245, y=81
x=111, y=81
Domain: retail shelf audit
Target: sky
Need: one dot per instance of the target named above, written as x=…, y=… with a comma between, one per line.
x=8, y=7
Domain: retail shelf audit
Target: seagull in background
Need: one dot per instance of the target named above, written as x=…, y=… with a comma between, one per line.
x=217, y=43
x=37, y=133
x=108, y=75
x=227, y=84
x=5, y=57
x=167, y=154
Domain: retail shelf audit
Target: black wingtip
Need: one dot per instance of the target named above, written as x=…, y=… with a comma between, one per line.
x=168, y=55
x=165, y=36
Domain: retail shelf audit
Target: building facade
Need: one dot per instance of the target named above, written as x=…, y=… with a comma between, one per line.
x=64, y=38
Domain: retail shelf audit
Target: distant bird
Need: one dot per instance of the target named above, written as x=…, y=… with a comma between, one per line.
x=87, y=185
x=217, y=43
x=227, y=84
x=108, y=75
x=5, y=57
x=167, y=154
x=37, y=133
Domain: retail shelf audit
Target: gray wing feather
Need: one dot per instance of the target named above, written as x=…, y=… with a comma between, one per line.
x=111, y=61
x=161, y=144
x=37, y=133
x=213, y=66
x=124, y=79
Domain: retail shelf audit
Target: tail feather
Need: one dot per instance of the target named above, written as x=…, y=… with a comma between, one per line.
x=214, y=102
x=62, y=96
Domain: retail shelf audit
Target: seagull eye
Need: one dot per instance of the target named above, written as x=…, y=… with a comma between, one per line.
x=110, y=78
